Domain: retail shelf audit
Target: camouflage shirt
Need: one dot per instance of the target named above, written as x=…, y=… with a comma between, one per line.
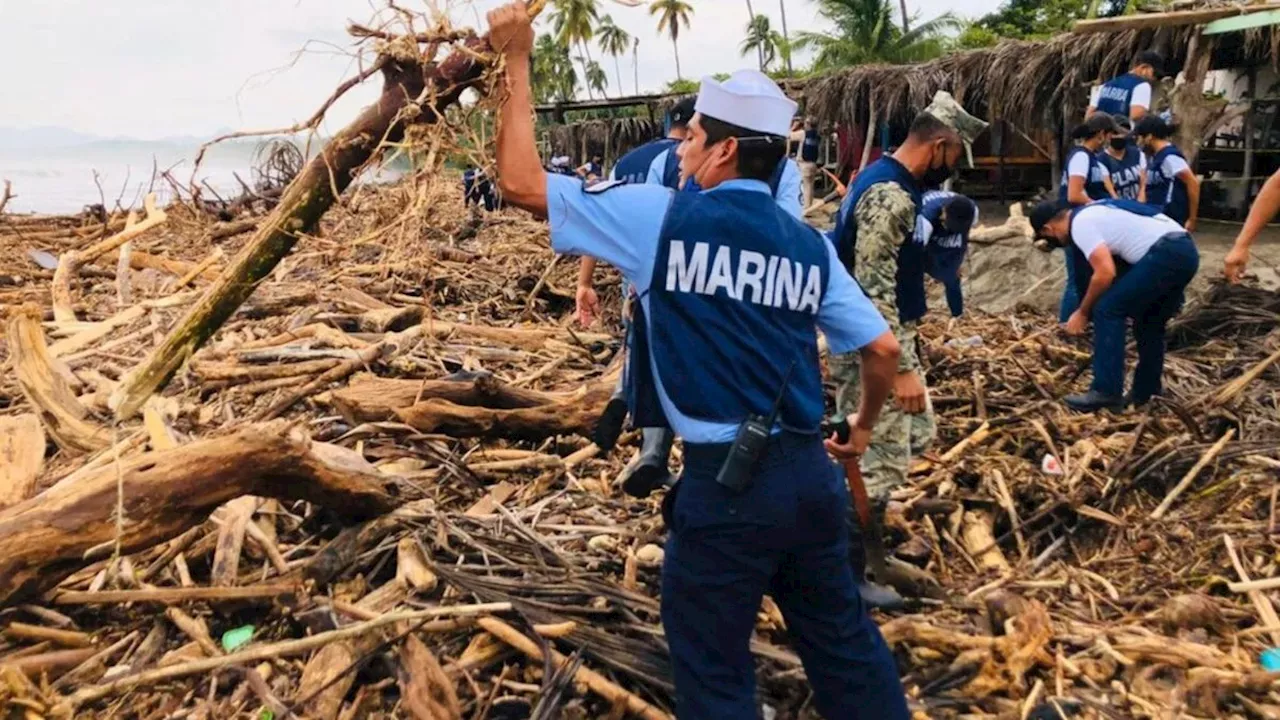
x=886, y=218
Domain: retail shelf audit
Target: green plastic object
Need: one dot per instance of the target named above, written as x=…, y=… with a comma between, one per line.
x=233, y=640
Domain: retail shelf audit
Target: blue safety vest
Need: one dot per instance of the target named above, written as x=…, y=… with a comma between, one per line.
x=737, y=284
x=634, y=166
x=1167, y=195
x=1094, y=186
x=1126, y=172
x=911, y=254
x=945, y=253
x=1116, y=94
x=809, y=148
x=671, y=175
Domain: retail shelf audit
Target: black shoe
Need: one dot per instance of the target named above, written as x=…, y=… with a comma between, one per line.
x=1094, y=401
x=1139, y=401
x=609, y=426
x=874, y=595
x=648, y=471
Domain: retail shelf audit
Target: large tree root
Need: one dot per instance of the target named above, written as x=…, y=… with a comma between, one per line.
x=44, y=539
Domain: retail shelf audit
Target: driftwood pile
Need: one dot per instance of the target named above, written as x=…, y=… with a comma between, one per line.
x=371, y=495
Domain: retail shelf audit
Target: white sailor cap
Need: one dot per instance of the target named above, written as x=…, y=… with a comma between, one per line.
x=748, y=99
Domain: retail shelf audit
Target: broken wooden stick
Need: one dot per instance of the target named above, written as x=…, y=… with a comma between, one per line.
x=62, y=414
x=594, y=681
x=1187, y=479
x=22, y=446
x=284, y=649
x=70, y=263
x=163, y=494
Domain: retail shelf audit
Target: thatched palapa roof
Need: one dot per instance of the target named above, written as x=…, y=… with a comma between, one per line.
x=610, y=138
x=1026, y=82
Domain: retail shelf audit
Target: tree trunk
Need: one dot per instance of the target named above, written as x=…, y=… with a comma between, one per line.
x=586, y=76
x=635, y=63
x=44, y=539
x=786, y=37
x=1198, y=116
x=617, y=71
x=576, y=415
x=676, y=46
x=906, y=28
x=304, y=202
x=750, y=27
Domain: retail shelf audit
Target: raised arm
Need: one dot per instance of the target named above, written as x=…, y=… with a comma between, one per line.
x=520, y=175
x=1193, y=197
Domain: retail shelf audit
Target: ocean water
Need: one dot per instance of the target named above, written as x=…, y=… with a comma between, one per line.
x=61, y=180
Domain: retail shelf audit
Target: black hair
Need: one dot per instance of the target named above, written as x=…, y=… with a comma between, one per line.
x=1155, y=126
x=682, y=112
x=1152, y=58
x=1082, y=132
x=926, y=127
x=960, y=212
x=758, y=155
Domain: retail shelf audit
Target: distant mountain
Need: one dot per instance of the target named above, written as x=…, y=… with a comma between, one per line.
x=57, y=138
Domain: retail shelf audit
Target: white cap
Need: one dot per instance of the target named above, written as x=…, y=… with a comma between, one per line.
x=748, y=99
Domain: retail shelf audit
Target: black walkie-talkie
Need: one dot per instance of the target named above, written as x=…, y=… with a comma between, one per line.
x=749, y=445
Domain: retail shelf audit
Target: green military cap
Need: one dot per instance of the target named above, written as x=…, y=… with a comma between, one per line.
x=945, y=108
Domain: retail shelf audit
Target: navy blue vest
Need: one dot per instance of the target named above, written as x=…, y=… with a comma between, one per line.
x=736, y=288
x=945, y=252
x=1126, y=172
x=911, y=254
x=1116, y=94
x=634, y=166
x=1168, y=195
x=671, y=176
x=1093, y=184
x=809, y=148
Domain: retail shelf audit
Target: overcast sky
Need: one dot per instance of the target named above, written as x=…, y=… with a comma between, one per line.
x=158, y=68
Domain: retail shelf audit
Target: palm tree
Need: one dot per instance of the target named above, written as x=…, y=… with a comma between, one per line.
x=553, y=75
x=597, y=78
x=786, y=37
x=635, y=61
x=762, y=40
x=574, y=21
x=670, y=14
x=614, y=41
x=865, y=33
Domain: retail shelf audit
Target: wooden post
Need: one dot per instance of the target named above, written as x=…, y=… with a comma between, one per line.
x=1247, y=175
x=1001, y=135
x=870, y=138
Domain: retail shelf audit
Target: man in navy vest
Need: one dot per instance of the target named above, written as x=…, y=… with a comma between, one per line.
x=736, y=290
x=947, y=219
x=875, y=235
x=1161, y=259
x=1128, y=94
x=1172, y=186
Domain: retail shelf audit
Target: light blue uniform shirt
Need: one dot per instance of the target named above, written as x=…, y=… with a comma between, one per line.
x=622, y=226
x=788, y=197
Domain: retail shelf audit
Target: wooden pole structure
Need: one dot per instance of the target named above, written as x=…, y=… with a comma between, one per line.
x=1247, y=175
x=1000, y=135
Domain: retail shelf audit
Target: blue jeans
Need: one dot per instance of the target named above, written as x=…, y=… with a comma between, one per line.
x=1150, y=293
x=1071, y=292
x=786, y=535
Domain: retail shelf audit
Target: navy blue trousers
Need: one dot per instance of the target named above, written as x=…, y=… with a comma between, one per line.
x=1071, y=292
x=1149, y=293
x=784, y=536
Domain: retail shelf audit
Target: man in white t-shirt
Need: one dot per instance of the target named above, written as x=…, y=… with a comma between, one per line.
x=1136, y=263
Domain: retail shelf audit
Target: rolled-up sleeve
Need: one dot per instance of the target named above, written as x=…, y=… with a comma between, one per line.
x=847, y=316
x=609, y=221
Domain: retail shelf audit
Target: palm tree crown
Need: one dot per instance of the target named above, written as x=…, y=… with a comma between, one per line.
x=616, y=42
x=670, y=14
x=762, y=40
x=865, y=32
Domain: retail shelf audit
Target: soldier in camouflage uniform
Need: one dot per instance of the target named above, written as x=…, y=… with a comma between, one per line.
x=875, y=234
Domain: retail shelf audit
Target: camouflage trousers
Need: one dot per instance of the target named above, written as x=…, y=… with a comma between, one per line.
x=898, y=436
